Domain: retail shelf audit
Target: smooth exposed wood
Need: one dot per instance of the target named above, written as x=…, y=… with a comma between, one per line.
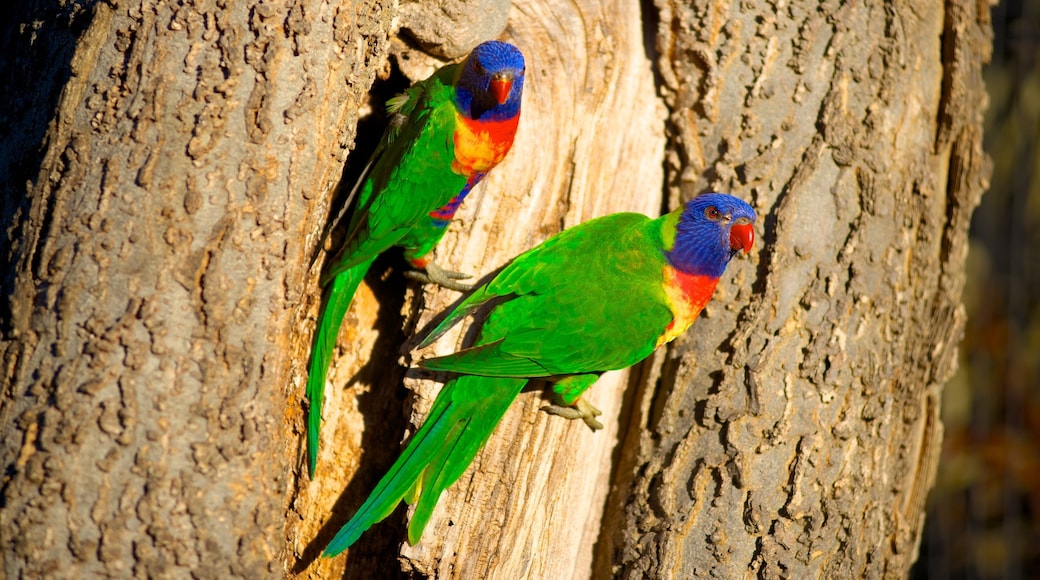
x=591, y=142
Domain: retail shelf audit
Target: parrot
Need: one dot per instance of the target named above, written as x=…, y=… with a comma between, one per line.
x=600, y=296
x=446, y=133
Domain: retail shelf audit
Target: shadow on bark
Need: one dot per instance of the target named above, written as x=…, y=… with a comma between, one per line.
x=383, y=408
x=38, y=40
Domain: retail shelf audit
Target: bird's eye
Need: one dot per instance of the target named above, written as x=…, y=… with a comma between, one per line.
x=478, y=68
x=712, y=213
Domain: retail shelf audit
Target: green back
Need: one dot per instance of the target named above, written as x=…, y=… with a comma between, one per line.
x=563, y=299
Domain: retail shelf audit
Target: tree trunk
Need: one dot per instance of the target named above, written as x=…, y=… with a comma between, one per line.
x=158, y=273
x=795, y=430
x=159, y=306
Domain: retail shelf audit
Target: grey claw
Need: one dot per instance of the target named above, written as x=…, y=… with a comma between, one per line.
x=581, y=410
x=434, y=274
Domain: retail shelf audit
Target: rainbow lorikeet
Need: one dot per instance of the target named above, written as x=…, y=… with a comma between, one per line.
x=447, y=132
x=597, y=297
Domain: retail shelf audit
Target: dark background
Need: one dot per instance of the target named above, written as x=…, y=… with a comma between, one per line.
x=984, y=513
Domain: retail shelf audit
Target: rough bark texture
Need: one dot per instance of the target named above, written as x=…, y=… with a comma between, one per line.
x=158, y=307
x=157, y=270
x=795, y=430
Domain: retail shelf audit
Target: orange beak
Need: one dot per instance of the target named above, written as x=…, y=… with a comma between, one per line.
x=501, y=87
x=741, y=237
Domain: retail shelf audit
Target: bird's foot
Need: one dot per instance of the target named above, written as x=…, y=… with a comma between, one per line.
x=434, y=274
x=581, y=409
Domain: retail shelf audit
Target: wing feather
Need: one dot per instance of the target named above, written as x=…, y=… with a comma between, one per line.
x=414, y=163
x=574, y=305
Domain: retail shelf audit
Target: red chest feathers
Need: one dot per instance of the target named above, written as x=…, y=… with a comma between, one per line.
x=481, y=145
x=687, y=295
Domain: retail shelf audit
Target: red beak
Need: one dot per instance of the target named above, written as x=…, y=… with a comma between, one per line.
x=500, y=88
x=741, y=237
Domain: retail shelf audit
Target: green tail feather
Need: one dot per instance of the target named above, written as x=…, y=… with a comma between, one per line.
x=488, y=360
x=335, y=303
x=472, y=302
x=464, y=415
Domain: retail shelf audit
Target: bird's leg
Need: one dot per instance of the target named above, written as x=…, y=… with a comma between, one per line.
x=569, y=403
x=434, y=274
x=580, y=409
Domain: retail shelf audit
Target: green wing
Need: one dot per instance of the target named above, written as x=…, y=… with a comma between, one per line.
x=412, y=177
x=560, y=305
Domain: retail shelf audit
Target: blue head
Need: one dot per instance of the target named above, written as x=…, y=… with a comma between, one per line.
x=712, y=228
x=491, y=81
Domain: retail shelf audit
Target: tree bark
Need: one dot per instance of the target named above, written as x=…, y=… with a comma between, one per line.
x=795, y=430
x=159, y=273
x=159, y=307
